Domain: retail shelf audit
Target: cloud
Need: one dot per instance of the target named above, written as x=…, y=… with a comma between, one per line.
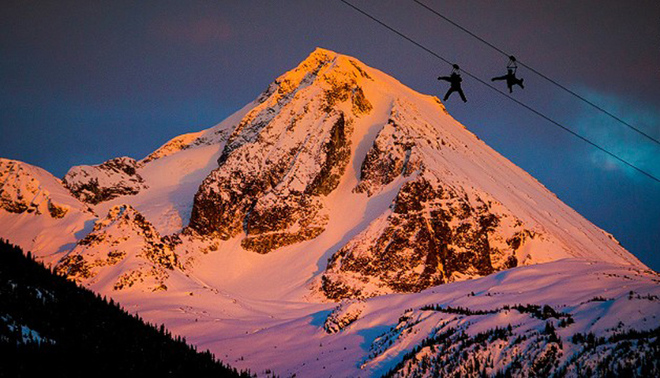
x=618, y=138
x=191, y=30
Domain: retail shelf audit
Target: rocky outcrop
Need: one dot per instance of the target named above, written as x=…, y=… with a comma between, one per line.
x=335, y=154
x=343, y=315
x=98, y=183
x=278, y=220
x=436, y=230
x=272, y=174
x=123, y=236
x=271, y=206
x=27, y=189
x=179, y=143
x=390, y=156
x=214, y=135
x=433, y=235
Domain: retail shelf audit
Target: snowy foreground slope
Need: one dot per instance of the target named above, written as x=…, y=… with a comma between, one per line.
x=371, y=337
x=342, y=224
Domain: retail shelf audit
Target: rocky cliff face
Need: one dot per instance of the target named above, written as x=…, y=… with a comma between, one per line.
x=283, y=157
x=433, y=235
x=123, y=237
x=435, y=232
x=98, y=183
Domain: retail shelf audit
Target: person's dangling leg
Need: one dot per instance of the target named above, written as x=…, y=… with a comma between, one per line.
x=460, y=92
x=447, y=94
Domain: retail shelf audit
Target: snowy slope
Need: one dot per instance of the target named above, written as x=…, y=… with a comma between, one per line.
x=307, y=339
x=173, y=173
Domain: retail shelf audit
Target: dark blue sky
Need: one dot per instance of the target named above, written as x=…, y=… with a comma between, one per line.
x=82, y=82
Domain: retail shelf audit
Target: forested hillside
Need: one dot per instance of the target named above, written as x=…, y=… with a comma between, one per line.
x=51, y=326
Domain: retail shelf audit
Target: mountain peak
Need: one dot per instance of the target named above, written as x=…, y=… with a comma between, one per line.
x=324, y=52
x=323, y=68
x=321, y=57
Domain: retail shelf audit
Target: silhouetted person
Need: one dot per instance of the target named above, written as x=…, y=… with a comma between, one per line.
x=511, y=80
x=455, y=80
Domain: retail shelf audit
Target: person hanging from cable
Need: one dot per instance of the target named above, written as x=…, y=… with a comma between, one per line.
x=510, y=77
x=455, y=83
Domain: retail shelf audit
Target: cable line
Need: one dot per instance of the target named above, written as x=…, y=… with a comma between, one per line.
x=537, y=72
x=504, y=94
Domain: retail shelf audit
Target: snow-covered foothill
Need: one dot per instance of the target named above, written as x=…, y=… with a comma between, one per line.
x=122, y=250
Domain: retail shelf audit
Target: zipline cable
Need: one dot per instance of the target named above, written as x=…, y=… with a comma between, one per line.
x=538, y=73
x=503, y=94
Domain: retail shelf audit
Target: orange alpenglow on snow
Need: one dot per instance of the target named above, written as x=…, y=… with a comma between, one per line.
x=338, y=184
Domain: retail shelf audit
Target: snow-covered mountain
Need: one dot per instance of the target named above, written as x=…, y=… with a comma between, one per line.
x=338, y=183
